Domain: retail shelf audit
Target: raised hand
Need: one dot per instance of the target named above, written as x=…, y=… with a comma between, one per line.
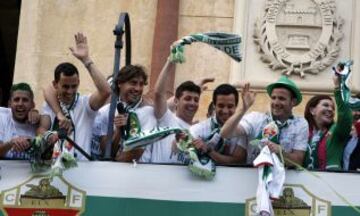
x=33, y=116
x=336, y=80
x=248, y=97
x=81, y=50
x=120, y=120
x=202, y=82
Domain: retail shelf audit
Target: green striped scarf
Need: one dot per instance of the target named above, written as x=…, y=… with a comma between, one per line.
x=228, y=43
x=44, y=157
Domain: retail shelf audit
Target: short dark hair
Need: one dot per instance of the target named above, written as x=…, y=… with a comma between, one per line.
x=187, y=86
x=21, y=87
x=65, y=68
x=357, y=95
x=225, y=89
x=313, y=102
x=129, y=72
x=211, y=109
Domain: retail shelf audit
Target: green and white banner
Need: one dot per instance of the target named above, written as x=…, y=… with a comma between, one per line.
x=109, y=188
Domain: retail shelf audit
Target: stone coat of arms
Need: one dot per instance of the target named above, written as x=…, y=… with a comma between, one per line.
x=299, y=36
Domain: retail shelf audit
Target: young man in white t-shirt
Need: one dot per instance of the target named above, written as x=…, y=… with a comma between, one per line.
x=206, y=134
x=66, y=107
x=186, y=103
x=19, y=123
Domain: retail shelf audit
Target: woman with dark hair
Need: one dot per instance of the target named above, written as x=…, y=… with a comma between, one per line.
x=327, y=138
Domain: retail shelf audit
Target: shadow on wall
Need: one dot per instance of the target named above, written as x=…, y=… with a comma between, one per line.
x=9, y=24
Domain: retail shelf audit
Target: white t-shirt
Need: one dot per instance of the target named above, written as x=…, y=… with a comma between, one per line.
x=160, y=151
x=294, y=136
x=99, y=125
x=9, y=128
x=83, y=118
x=349, y=148
x=203, y=130
x=145, y=115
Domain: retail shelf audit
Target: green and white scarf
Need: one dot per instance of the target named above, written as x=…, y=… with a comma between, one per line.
x=45, y=157
x=63, y=154
x=135, y=137
x=228, y=43
x=40, y=152
x=214, y=140
x=311, y=160
x=66, y=110
x=133, y=126
x=144, y=138
x=345, y=74
x=200, y=163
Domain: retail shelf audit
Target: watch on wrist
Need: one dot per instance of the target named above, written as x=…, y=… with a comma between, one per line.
x=88, y=64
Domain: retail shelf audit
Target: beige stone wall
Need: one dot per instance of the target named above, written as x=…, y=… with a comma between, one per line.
x=46, y=31
x=201, y=60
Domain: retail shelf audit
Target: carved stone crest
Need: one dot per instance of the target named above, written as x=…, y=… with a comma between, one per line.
x=299, y=36
x=296, y=200
x=41, y=196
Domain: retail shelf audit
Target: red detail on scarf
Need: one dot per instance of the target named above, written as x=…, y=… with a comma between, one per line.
x=322, y=152
x=357, y=128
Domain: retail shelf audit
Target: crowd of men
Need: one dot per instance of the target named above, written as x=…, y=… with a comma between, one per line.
x=315, y=141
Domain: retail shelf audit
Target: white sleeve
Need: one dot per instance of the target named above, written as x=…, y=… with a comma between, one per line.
x=302, y=136
x=4, y=110
x=146, y=156
x=197, y=130
x=103, y=126
x=2, y=127
x=167, y=120
x=46, y=110
x=242, y=141
x=250, y=122
x=85, y=100
x=104, y=120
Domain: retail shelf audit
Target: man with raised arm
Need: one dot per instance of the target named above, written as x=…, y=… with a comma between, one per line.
x=293, y=131
x=66, y=107
x=186, y=101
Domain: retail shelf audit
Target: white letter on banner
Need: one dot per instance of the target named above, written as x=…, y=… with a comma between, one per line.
x=76, y=198
x=10, y=197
